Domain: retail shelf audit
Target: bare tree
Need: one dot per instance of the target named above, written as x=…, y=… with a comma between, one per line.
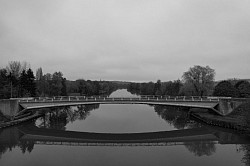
x=15, y=68
x=39, y=74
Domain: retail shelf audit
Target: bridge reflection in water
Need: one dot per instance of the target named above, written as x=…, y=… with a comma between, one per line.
x=162, y=138
x=200, y=141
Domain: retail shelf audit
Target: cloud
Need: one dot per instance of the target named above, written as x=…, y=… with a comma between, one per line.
x=127, y=39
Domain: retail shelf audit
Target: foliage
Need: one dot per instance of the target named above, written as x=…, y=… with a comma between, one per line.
x=50, y=84
x=158, y=88
x=56, y=84
x=172, y=88
x=225, y=88
x=90, y=88
x=243, y=88
x=17, y=80
x=4, y=84
x=15, y=68
x=27, y=83
x=200, y=78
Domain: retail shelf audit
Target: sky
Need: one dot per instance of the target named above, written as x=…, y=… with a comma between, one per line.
x=128, y=40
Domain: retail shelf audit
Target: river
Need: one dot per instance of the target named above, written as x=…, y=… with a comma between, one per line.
x=120, y=134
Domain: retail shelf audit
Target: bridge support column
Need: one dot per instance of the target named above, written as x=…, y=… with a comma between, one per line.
x=9, y=108
x=226, y=106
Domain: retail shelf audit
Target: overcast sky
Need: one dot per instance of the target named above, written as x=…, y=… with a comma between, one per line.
x=131, y=40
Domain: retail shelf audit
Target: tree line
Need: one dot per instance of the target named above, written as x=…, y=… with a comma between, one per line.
x=18, y=80
x=197, y=81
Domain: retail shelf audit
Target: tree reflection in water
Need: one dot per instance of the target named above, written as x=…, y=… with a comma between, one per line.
x=246, y=157
x=176, y=116
x=10, y=138
x=201, y=148
x=179, y=118
x=58, y=118
x=55, y=118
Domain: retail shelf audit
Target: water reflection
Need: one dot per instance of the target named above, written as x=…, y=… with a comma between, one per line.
x=58, y=118
x=198, y=139
x=176, y=116
x=179, y=118
x=246, y=151
x=10, y=139
x=201, y=148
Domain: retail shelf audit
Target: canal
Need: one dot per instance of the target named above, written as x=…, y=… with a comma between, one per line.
x=92, y=135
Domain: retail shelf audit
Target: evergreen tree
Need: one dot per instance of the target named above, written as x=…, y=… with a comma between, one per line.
x=23, y=84
x=31, y=88
x=27, y=83
x=4, y=84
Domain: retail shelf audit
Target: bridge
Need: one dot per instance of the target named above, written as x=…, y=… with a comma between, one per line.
x=18, y=107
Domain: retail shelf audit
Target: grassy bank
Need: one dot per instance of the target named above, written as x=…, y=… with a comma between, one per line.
x=238, y=120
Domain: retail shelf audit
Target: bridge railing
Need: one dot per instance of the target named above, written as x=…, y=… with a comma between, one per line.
x=101, y=98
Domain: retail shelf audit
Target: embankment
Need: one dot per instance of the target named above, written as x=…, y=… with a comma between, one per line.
x=238, y=119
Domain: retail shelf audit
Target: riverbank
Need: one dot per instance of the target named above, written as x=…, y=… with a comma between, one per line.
x=238, y=120
x=7, y=123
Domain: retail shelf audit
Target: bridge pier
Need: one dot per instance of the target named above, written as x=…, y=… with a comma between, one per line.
x=226, y=106
x=9, y=108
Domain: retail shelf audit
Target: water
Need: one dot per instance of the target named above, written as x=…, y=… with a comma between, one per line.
x=196, y=144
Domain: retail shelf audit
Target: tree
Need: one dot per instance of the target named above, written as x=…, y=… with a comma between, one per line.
x=23, y=84
x=172, y=88
x=31, y=82
x=14, y=70
x=200, y=78
x=47, y=88
x=244, y=88
x=39, y=74
x=4, y=84
x=40, y=82
x=81, y=87
x=27, y=83
x=157, y=88
x=225, y=88
x=64, y=87
x=56, y=86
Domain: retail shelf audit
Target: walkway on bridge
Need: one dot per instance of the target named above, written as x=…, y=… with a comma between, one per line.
x=191, y=102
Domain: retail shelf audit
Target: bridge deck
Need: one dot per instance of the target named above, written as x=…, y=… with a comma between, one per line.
x=208, y=104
